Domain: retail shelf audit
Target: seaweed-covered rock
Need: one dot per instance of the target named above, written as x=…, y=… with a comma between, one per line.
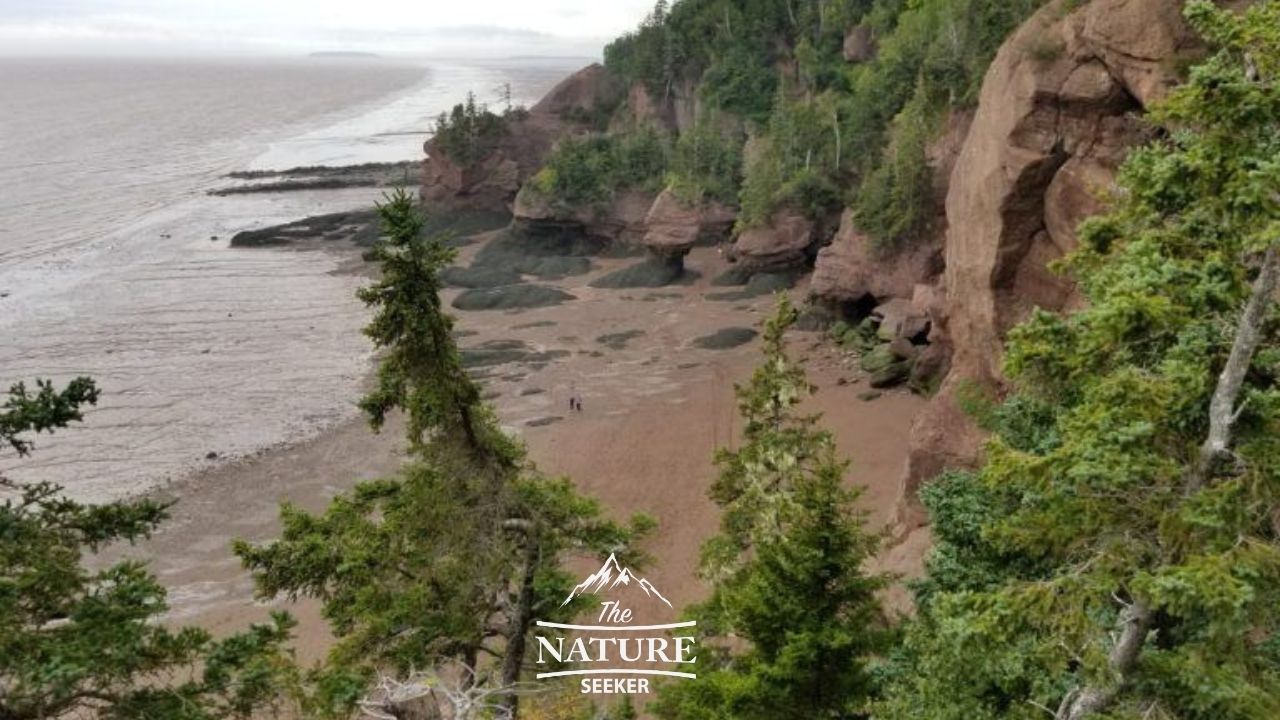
x=359, y=227
x=503, y=352
x=619, y=340
x=878, y=359
x=759, y=284
x=648, y=273
x=547, y=256
x=511, y=297
x=891, y=375
x=929, y=369
x=725, y=338
x=733, y=277
x=479, y=277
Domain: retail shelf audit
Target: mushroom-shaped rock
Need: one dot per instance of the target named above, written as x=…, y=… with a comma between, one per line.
x=672, y=225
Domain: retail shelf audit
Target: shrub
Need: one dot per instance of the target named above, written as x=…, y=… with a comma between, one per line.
x=706, y=163
x=742, y=82
x=895, y=202
x=585, y=171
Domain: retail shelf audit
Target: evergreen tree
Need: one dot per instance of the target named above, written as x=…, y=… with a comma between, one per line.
x=78, y=641
x=1118, y=554
x=421, y=371
x=453, y=558
x=786, y=567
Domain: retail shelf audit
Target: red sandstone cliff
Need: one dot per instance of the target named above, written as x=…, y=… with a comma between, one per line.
x=1059, y=107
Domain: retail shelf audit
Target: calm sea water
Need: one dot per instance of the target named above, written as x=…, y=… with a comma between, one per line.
x=114, y=262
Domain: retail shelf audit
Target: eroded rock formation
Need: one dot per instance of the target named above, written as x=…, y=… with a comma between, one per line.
x=492, y=181
x=850, y=269
x=784, y=244
x=1059, y=107
x=673, y=226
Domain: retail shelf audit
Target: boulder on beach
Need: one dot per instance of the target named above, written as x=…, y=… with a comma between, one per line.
x=549, y=257
x=511, y=297
x=504, y=352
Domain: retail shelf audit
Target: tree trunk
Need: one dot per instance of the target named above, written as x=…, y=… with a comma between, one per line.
x=518, y=629
x=1222, y=409
x=1135, y=621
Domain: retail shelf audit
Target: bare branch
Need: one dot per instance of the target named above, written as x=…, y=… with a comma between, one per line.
x=1135, y=624
x=452, y=692
x=1222, y=408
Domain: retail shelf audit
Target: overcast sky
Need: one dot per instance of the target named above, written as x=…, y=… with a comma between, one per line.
x=413, y=27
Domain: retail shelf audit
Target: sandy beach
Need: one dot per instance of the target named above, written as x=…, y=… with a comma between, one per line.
x=655, y=409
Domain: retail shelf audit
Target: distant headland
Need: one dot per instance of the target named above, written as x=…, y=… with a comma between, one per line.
x=345, y=54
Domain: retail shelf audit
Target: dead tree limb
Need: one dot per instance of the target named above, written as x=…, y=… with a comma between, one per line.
x=1226, y=396
x=1135, y=621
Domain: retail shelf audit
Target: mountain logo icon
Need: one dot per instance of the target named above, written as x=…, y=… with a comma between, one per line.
x=610, y=576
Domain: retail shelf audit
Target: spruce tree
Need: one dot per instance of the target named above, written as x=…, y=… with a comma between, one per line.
x=793, y=618
x=1118, y=554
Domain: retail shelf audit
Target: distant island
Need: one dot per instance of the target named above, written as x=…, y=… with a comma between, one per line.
x=344, y=54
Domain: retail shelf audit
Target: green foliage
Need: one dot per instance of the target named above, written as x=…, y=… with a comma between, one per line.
x=706, y=164
x=80, y=641
x=895, y=202
x=45, y=411
x=588, y=171
x=742, y=82
x=1083, y=508
x=647, y=54
x=829, y=125
x=786, y=567
x=798, y=166
x=468, y=132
